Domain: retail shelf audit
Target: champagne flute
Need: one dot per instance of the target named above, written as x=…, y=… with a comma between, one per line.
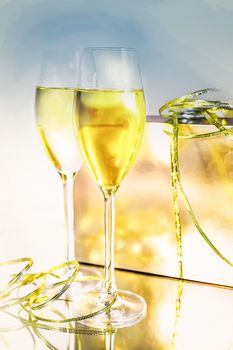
x=110, y=119
x=54, y=107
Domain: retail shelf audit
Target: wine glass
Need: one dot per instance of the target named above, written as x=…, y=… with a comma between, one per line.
x=54, y=108
x=110, y=119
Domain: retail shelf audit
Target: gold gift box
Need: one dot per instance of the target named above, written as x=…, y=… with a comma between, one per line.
x=145, y=237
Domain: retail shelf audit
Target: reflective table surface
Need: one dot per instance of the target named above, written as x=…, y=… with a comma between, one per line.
x=182, y=315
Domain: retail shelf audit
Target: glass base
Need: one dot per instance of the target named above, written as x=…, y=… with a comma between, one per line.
x=90, y=279
x=128, y=309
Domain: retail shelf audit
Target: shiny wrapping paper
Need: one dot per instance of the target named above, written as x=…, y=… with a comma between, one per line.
x=145, y=238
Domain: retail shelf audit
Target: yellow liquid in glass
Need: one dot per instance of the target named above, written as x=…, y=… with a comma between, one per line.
x=110, y=130
x=55, y=118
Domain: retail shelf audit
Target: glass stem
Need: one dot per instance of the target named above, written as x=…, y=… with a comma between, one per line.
x=109, y=341
x=68, y=182
x=109, y=225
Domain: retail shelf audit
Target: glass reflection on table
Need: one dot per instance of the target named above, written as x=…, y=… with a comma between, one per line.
x=181, y=315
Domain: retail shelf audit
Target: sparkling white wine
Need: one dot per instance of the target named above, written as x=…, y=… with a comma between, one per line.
x=55, y=117
x=110, y=130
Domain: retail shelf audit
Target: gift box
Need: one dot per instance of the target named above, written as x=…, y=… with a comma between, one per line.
x=145, y=234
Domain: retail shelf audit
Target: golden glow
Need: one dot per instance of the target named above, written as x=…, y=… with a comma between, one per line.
x=203, y=321
x=144, y=211
x=110, y=130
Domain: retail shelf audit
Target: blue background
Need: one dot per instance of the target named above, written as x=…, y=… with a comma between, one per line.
x=183, y=46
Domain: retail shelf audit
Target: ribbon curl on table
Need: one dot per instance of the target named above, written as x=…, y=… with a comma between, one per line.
x=38, y=299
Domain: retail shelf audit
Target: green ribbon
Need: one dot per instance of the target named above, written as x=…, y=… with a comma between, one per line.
x=191, y=108
x=38, y=300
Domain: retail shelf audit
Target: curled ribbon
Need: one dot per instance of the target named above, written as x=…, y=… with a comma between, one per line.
x=42, y=298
